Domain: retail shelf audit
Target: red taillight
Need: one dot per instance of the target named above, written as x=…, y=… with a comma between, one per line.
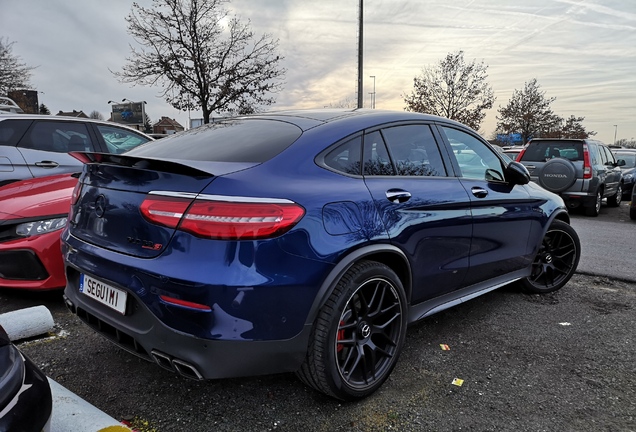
x=587, y=166
x=77, y=190
x=520, y=155
x=163, y=210
x=223, y=220
x=240, y=220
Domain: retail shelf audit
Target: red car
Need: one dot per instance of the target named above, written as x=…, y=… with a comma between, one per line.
x=32, y=215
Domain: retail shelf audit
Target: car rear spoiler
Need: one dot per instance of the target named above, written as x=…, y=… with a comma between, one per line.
x=180, y=166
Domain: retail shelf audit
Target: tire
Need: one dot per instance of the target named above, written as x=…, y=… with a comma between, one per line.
x=632, y=213
x=556, y=261
x=358, y=334
x=595, y=209
x=615, y=200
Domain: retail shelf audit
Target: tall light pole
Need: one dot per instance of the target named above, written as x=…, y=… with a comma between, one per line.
x=373, y=93
x=360, y=89
x=615, y=129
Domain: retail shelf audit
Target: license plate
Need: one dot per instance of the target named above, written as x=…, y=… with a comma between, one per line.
x=107, y=295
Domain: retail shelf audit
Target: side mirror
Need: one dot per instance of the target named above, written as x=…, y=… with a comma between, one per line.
x=516, y=173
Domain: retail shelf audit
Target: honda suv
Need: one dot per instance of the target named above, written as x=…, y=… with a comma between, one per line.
x=581, y=171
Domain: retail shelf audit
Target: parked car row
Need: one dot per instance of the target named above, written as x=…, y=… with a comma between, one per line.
x=35, y=169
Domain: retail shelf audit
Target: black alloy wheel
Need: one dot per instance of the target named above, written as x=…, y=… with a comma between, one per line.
x=556, y=261
x=358, y=335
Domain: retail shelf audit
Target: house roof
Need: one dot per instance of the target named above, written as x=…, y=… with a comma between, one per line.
x=72, y=114
x=167, y=121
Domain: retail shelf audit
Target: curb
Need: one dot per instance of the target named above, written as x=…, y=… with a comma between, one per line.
x=72, y=413
x=27, y=323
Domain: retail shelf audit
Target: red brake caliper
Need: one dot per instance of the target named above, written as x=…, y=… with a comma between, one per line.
x=341, y=336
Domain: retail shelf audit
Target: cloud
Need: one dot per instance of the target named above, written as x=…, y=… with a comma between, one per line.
x=581, y=52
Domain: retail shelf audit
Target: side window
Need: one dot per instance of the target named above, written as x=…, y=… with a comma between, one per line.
x=59, y=137
x=376, y=157
x=414, y=151
x=475, y=159
x=119, y=140
x=601, y=150
x=609, y=155
x=346, y=157
x=12, y=130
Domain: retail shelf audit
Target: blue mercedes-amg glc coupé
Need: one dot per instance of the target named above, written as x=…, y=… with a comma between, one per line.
x=303, y=241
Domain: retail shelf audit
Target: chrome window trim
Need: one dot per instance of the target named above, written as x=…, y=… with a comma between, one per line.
x=227, y=198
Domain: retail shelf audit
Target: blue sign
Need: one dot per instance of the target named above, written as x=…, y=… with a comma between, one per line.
x=509, y=138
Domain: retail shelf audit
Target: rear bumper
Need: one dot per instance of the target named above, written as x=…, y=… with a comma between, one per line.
x=142, y=334
x=576, y=199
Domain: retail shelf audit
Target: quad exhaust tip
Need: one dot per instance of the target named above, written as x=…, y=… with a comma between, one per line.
x=183, y=368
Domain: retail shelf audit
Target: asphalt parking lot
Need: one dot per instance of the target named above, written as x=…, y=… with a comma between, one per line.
x=560, y=362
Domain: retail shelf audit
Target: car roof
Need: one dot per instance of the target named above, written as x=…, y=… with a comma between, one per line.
x=5, y=116
x=582, y=140
x=307, y=119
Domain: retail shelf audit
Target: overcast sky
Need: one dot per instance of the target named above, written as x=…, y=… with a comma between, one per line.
x=581, y=52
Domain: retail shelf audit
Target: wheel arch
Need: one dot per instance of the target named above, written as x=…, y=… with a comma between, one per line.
x=561, y=215
x=387, y=254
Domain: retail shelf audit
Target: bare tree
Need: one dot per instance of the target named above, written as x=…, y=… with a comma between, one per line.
x=347, y=102
x=528, y=112
x=624, y=142
x=96, y=115
x=453, y=89
x=14, y=75
x=200, y=62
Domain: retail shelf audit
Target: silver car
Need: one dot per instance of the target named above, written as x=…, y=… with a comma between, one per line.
x=581, y=171
x=38, y=145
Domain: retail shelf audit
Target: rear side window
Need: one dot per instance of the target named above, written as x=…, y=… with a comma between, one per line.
x=346, y=157
x=238, y=140
x=58, y=137
x=12, y=130
x=542, y=151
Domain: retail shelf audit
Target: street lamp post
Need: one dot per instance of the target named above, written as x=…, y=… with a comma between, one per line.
x=373, y=93
x=615, y=129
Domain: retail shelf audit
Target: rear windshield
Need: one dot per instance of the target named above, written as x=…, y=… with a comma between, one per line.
x=240, y=140
x=541, y=151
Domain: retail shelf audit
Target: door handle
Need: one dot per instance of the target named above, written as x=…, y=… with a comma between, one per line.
x=479, y=192
x=398, y=195
x=47, y=164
